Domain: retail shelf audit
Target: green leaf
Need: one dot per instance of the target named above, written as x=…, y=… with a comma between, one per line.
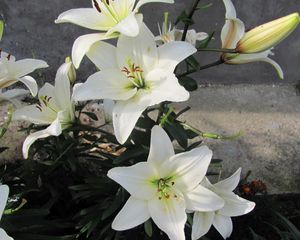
x=148, y=228
x=1, y=29
x=205, y=42
x=192, y=62
x=289, y=225
x=205, y=6
x=188, y=83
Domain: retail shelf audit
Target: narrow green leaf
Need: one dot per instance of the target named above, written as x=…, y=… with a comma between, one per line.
x=148, y=228
x=1, y=29
x=188, y=83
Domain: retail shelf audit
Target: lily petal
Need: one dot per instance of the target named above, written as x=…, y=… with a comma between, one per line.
x=136, y=177
x=232, y=32
x=203, y=200
x=235, y=205
x=134, y=213
x=4, y=236
x=229, y=184
x=83, y=44
x=128, y=26
x=140, y=49
x=202, y=222
x=86, y=17
x=62, y=86
x=25, y=66
x=103, y=55
x=172, y=53
x=223, y=225
x=188, y=167
x=54, y=129
x=33, y=114
x=142, y=2
x=4, y=191
x=257, y=57
x=107, y=84
x=230, y=9
x=30, y=84
x=125, y=116
x=169, y=215
x=161, y=147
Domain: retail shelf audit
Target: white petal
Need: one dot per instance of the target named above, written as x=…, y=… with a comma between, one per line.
x=33, y=114
x=229, y=184
x=172, y=53
x=86, y=17
x=188, y=168
x=235, y=205
x=107, y=84
x=103, y=55
x=203, y=200
x=141, y=50
x=275, y=65
x=167, y=89
x=108, y=106
x=161, y=147
x=142, y=2
x=134, y=213
x=128, y=26
x=4, y=236
x=232, y=32
x=25, y=66
x=14, y=93
x=169, y=215
x=137, y=179
x=202, y=222
x=30, y=84
x=125, y=116
x=223, y=225
x=202, y=36
x=257, y=57
x=230, y=9
x=4, y=191
x=83, y=44
x=62, y=86
x=54, y=129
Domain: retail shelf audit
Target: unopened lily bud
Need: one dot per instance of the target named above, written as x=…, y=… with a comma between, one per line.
x=72, y=72
x=268, y=35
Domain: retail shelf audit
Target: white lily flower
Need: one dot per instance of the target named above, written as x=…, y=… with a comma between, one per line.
x=136, y=74
x=12, y=71
x=13, y=96
x=167, y=34
x=232, y=32
x=55, y=108
x=164, y=187
x=110, y=16
x=221, y=219
x=4, y=191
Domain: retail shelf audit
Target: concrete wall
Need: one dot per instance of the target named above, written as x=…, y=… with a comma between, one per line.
x=30, y=30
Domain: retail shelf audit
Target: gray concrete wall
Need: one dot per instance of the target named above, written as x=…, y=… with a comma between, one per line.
x=30, y=31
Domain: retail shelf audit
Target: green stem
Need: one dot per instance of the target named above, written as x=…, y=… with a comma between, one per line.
x=165, y=117
x=223, y=50
x=216, y=63
x=190, y=16
x=11, y=211
x=211, y=135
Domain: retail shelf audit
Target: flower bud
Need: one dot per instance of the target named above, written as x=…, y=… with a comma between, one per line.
x=268, y=35
x=72, y=72
x=1, y=28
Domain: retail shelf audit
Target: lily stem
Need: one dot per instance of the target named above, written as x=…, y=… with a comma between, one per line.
x=190, y=16
x=211, y=135
x=213, y=64
x=223, y=50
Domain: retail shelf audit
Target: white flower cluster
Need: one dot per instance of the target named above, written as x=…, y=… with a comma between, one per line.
x=137, y=73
